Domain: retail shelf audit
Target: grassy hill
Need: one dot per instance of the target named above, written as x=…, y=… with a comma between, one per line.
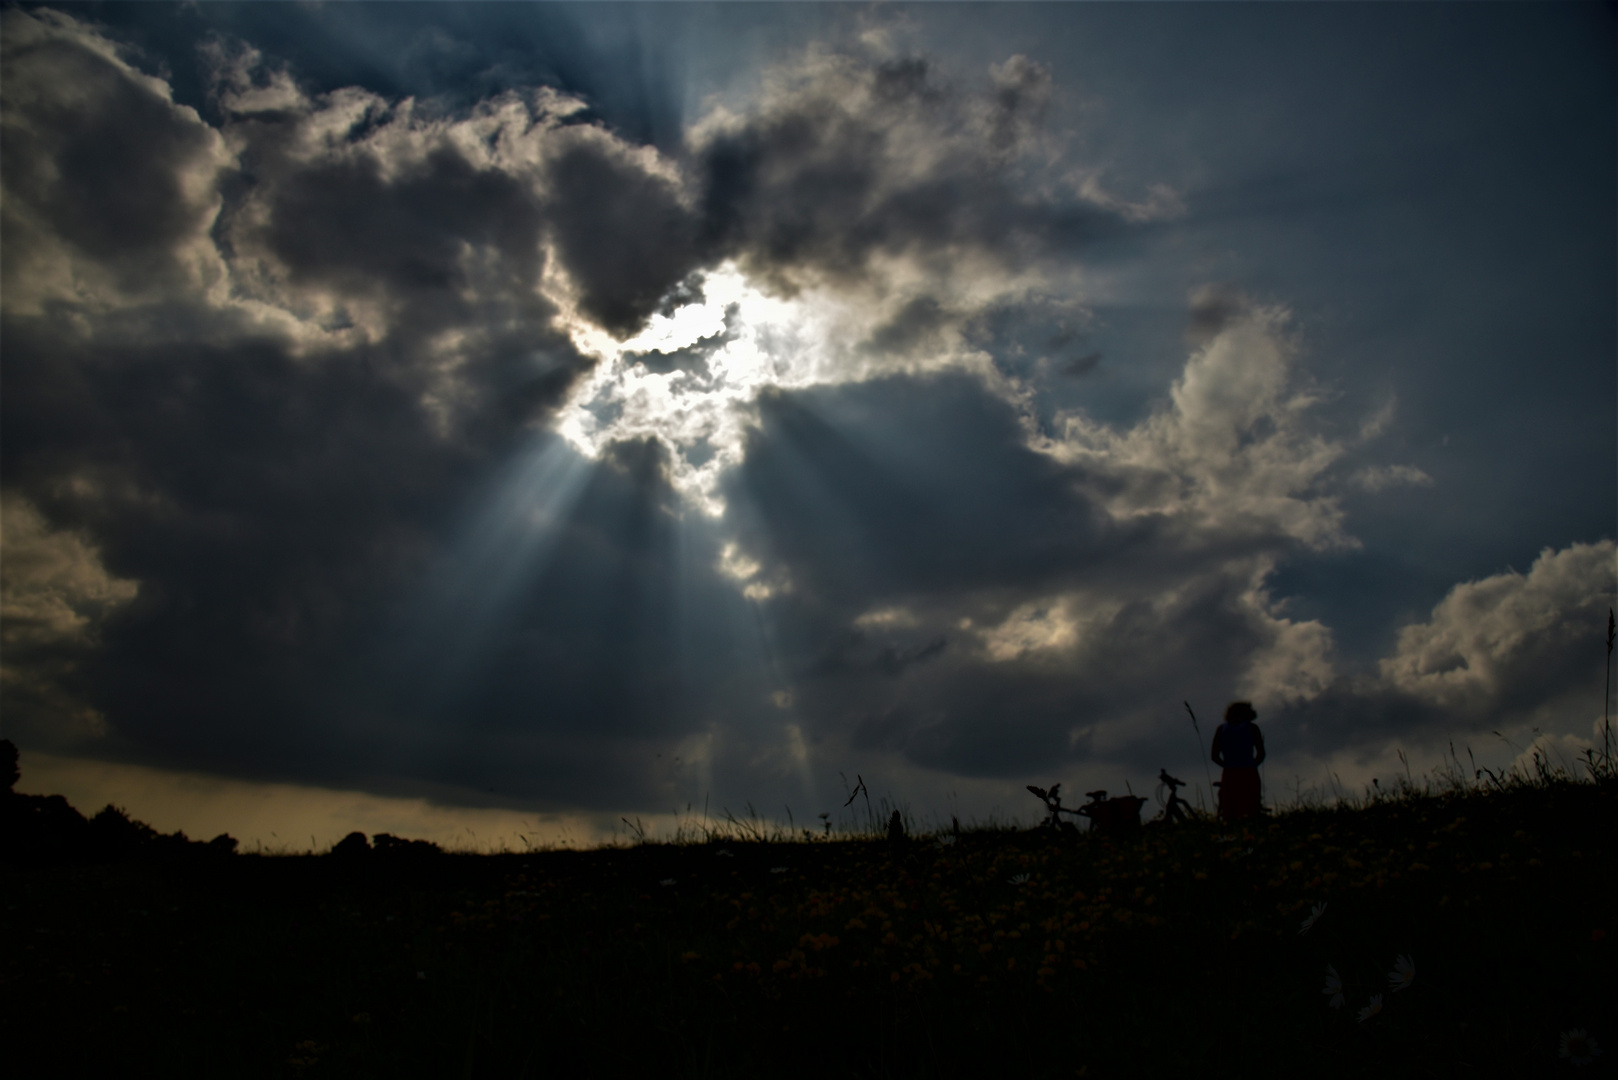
x=1030, y=953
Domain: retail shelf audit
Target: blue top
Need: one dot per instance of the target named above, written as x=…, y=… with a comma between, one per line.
x=1236, y=740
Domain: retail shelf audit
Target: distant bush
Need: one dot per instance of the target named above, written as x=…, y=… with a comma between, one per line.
x=355, y=845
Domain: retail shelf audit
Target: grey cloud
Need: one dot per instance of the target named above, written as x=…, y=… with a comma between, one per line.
x=1213, y=307
x=858, y=652
x=264, y=476
x=942, y=533
x=98, y=159
x=1081, y=365
x=253, y=494
x=914, y=326
x=623, y=232
x=1022, y=92
x=851, y=163
x=343, y=223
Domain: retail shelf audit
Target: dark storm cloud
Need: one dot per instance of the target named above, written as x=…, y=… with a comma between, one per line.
x=883, y=486
x=278, y=379
x=857, y=162
x=276, y=471
x=903, y=509
x=623, y=233
x=344, y=224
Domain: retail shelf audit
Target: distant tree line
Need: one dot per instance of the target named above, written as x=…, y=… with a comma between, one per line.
x=45, y=830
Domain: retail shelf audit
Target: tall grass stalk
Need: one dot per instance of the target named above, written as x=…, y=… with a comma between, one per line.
x=1606, y=696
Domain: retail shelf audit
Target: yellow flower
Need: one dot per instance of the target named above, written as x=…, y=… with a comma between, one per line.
x=1403, y=974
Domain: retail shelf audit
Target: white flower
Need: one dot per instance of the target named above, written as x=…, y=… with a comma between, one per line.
x=1314, y=915
x=778, y=869
x=1403, y=973
x=944, y=842
x=668, y=881
x=724, y=853
x=1019, y=879
x=1334, y=987
x=1578, y=1047
x=1372, y=1009
x=421, y=974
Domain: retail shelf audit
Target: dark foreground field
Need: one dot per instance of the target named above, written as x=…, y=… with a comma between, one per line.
x=1026, y=954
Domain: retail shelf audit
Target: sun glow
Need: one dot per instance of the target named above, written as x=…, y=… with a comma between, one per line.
x=691, y=378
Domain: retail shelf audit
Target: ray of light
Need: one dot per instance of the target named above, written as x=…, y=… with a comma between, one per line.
x=492, y=565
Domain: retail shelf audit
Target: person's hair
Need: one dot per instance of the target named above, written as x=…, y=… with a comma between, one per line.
x=1239, y=712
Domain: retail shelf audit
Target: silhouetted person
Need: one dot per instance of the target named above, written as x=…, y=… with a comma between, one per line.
x=1238, y=748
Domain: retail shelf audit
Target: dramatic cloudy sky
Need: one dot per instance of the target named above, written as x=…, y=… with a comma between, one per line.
x=509, y=418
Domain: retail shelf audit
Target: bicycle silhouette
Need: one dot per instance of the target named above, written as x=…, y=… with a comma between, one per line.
x=1176, y=809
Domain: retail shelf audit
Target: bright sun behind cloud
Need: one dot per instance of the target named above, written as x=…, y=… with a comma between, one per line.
x=690, y=378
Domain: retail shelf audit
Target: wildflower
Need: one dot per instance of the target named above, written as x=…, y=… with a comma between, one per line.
x=1403, y=973
x=1020, y=879
x=943, y=842
x=1578, y=1047
x=668, y=881
x=421, y=974
x=1334, y=987
x=723, y=853
x=1372, y=1009
x=1314, y=915
x=778, y=869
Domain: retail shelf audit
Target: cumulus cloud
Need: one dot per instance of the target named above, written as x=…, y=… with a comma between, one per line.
x=55, y=595
x=109, y=186
x=1232, y=452
x=1085, y=583
x=53, y=587
x=264, y=457
x=355, y=439
x=863, y=173
x=1510, y=633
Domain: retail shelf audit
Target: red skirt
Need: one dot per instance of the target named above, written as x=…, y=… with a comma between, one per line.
x=1239, y=793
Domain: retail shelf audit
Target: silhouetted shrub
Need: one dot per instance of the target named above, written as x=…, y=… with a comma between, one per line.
x=41, y=829
x=398, y=845
x=113, y=835
x=353, y=845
